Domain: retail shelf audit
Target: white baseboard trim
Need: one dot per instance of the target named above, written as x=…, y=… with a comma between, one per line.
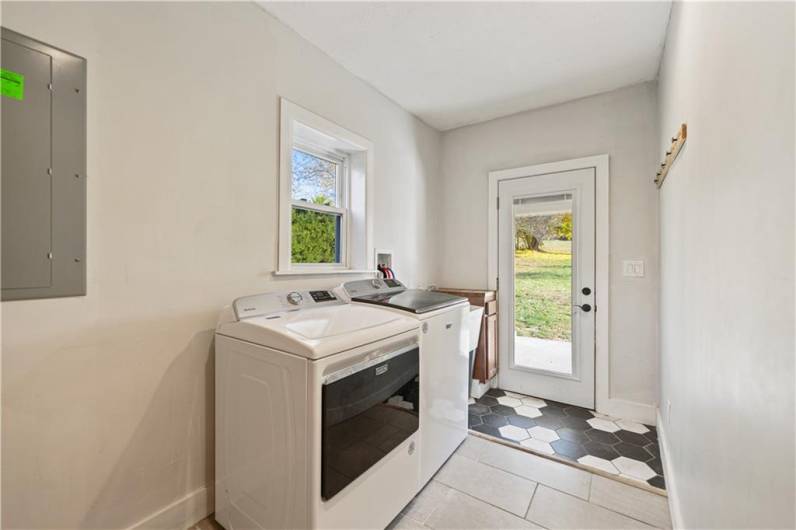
x=180, y=514
x=628, y=410
x=671, y=483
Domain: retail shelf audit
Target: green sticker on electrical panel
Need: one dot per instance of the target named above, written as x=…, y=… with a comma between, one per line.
x=12, y=84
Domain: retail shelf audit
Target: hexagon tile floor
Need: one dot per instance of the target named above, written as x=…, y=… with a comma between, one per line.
x=573, y=433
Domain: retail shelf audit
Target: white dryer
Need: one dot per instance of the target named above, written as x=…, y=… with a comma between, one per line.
x=316, y=413
x=444, y=360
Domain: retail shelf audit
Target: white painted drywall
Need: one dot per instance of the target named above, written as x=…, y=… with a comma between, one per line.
x=621, y=123
x=727, y=265
x=107, y=398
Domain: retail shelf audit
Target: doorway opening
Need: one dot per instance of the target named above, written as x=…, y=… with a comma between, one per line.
x=546, y=271
x=548, y=261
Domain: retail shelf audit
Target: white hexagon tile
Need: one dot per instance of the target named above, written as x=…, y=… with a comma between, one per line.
x=543, y=433
x=528, y=412
x=632, y=426
x=602, y=443
x=603, y=425
x=513, y=432
x=538, y=445
x=509, y=401
x=598, y=463
x=633, y=468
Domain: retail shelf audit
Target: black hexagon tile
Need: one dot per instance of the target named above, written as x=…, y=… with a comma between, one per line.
x=613, y=446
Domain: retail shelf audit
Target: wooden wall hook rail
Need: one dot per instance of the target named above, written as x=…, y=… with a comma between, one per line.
x=671, y=154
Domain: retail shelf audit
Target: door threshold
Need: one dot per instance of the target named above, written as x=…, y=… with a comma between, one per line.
x=571, y=463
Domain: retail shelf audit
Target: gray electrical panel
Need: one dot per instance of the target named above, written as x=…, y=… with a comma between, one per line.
x=43, y=188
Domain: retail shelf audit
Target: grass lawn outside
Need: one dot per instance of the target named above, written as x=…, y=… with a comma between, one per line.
x=542, y=291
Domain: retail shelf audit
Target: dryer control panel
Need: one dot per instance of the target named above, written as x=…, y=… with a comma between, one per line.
x=277, y=302
x=374, y=286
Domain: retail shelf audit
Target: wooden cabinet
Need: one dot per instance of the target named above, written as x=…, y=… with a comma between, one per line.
x=486, y=355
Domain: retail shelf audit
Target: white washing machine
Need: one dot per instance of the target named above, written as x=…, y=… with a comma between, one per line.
x=444, y=360
x=317, y=420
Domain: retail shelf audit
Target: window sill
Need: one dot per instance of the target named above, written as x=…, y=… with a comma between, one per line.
x=321, y=272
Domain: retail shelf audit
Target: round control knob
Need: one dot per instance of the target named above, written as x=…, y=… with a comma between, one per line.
x=294, y=298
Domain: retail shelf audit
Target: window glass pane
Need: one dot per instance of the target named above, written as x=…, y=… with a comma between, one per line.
x=543, y=283
x=315, y=236
x=314, y=179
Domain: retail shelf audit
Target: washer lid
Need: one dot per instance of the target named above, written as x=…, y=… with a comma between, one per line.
x=332, y=322
x=412, y=300
x=322, y=331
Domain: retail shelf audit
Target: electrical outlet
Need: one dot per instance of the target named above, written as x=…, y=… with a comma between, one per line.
x=633, y=268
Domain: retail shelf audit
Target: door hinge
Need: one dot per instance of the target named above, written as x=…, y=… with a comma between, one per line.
x=50, y=87
x=498, y=203
x=49, y=255
x=497, y=283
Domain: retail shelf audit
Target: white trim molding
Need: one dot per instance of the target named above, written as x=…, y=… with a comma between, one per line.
x=668, y=472
x=182, y=513
x=302, y=127
x=603, y=401
x=628, y=410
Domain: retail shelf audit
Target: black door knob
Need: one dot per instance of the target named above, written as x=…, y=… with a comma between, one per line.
x=585, y=307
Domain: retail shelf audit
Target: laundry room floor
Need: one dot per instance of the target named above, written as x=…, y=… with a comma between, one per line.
x=613, y=446
x=486, y=484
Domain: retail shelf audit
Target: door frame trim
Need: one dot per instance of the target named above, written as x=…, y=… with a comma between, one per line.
x=600, y=163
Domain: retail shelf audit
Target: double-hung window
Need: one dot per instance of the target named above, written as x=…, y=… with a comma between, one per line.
x=319, y=216
x=324, y=185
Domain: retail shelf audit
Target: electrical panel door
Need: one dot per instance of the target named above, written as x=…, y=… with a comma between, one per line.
x=43, y=170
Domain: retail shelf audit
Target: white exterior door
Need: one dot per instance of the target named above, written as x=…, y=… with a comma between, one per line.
x=546, y=271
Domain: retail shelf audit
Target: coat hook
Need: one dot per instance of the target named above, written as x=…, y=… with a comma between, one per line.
x=671, y=155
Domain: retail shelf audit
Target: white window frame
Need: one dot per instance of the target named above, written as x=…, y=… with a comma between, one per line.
x=341, y=198
x=317, y=136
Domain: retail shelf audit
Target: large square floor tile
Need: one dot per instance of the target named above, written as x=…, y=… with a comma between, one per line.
x=465, y=512
x=553, y=509
x=633, y=502
x=489, y=484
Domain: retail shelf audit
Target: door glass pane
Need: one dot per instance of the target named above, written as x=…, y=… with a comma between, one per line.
x=315, y=236
x=314, y=179
x=543, y=283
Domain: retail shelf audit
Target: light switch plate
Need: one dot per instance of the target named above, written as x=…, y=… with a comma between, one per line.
x=633, y=268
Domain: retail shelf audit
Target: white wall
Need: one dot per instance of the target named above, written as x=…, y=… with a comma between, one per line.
x=621, y=123
x=107, y=398
x=727, y=265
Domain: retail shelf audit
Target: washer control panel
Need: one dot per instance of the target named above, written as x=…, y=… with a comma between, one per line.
x=269, y=303
x=322, y=296
x=294, y=298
